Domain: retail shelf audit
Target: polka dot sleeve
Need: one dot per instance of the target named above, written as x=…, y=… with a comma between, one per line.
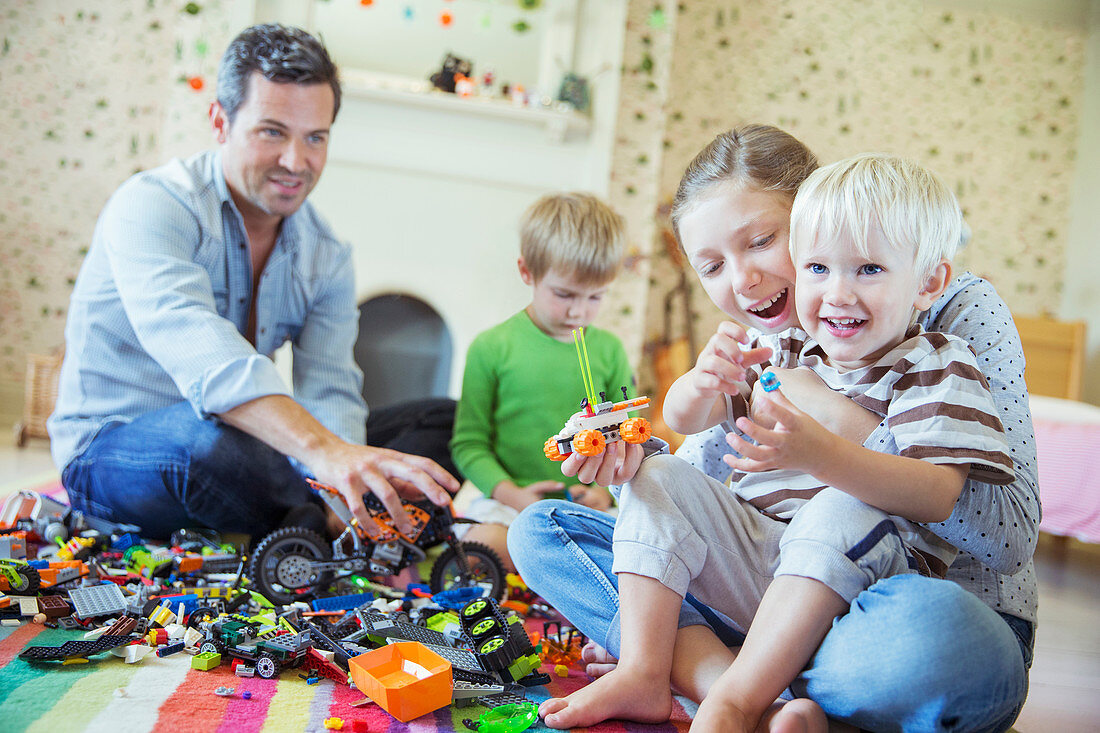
x=998, y=525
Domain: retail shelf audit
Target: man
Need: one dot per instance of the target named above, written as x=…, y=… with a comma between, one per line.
x=170, y=412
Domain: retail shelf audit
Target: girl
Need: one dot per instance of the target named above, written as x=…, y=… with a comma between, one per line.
x=912, y=653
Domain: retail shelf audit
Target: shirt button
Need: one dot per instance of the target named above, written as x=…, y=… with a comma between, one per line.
x=241, y=300
x=242, y=245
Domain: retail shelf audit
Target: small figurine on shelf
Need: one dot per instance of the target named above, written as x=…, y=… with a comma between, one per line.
x=464, y=85
x=574, y=92
x=452, y=67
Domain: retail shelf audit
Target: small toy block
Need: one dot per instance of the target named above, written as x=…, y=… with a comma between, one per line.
x=406, y=679
x=97, y=600
x=73, y=648
x=54, y=606
x=206, y=661
x=132, y=653
x=334, y=723
x=561, y=670
x=28, y=605
x=769, y=381
x=341, y=603
x=169, y=649
x=224, y=691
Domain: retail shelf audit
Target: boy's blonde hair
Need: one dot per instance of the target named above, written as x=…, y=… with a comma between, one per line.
x=912, y=206
x=576, y=234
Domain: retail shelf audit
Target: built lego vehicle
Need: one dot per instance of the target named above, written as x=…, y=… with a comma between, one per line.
x=17, y=576
x=269, y=654
x=27, y=577
x=589, y=430
x=293, y=563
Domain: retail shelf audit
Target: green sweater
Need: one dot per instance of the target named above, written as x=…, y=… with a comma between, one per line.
x=519, y=388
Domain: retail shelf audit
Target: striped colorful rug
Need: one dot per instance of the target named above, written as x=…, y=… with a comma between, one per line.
x=166, y=694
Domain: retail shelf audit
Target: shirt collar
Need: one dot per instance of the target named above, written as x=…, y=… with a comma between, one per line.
x=289, y=233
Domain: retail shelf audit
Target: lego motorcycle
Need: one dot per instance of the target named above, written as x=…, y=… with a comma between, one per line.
x=294, y=563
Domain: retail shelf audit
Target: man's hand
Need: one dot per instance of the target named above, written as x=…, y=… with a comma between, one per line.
x=795, y=440
x=520, y=497
x=356, y=469
x=614, y=466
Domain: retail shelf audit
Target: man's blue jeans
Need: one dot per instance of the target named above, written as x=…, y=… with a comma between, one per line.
x=912, y=653
x=168, y=469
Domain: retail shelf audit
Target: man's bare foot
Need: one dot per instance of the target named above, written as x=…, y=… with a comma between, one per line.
x=622, y=693
x=796, y=716
x=598, y=661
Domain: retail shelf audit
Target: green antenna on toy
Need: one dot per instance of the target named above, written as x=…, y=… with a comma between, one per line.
x=586, y=368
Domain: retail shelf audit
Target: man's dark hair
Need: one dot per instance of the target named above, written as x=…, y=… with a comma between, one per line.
x=281, y=54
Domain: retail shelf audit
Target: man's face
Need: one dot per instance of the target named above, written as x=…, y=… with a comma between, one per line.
x=274, y=149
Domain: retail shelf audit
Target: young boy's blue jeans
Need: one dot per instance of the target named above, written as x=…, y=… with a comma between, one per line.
x=913, y=653
x=169, y=469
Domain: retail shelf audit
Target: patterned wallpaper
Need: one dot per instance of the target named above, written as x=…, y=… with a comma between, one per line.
x=988, y=101
x=93, y=92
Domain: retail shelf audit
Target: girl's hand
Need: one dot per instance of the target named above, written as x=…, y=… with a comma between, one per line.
x=796, y=441
x=616, y=465
x=723, y=362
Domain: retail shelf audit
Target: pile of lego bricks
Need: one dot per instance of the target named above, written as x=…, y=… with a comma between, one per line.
x=109, y=628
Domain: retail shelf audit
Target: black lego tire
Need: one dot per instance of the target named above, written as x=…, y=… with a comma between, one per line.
x=267, y=666
x=212, y=646
x=30, y=582
x=485, y=628
x=487, y=570
x=474, y=611
x=495, y=653
x=280, y=565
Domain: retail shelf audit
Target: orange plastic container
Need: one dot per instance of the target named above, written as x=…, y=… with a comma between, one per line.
x=406, y=679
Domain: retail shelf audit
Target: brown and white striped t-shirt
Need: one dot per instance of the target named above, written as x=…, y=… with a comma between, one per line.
x=934, y=400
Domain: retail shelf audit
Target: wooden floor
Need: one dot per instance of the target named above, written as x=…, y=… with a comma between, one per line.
x=1065, y=677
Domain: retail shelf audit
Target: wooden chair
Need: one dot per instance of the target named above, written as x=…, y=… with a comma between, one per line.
x=1055, y=353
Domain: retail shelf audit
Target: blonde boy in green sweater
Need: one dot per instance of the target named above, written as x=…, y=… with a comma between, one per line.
x=522, y=379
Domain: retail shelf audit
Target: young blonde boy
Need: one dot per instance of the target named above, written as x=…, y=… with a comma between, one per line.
x=815, y=519
x=522, y=379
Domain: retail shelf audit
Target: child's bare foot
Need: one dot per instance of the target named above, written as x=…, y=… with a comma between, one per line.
x=796, y=716
x=720, y=714
x=621, y=693
x=598, y=661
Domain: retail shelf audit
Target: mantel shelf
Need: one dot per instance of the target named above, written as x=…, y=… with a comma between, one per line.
x=558, y=123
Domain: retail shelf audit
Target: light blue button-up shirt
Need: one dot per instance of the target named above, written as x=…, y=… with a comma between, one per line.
x=161, y=305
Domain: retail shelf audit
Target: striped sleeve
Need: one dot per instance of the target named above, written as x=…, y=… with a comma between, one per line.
x=941, y=411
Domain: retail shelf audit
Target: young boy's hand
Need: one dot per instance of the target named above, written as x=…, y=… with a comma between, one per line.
x=614, y=466
x=796, y=441
x=593, y=497
x=520, y=497
x=723, y=362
